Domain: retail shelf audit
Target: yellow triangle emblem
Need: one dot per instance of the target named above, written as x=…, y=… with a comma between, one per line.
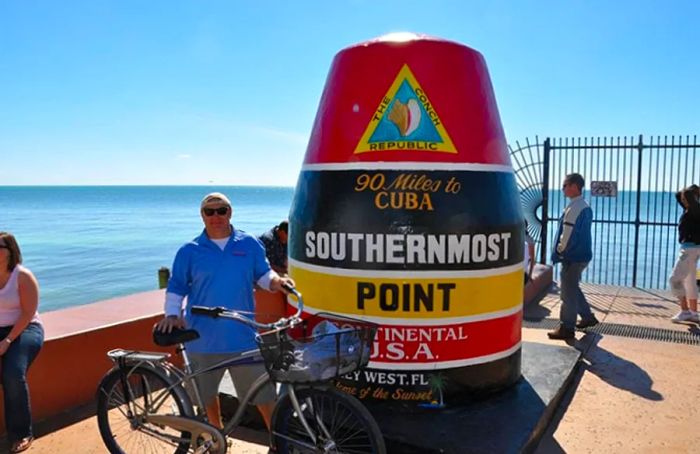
x=405, y=120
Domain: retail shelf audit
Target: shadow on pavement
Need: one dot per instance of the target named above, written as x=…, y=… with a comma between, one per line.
x=535, y=312
x=548, y=443
x=260, y=437
x=649, y=305
x=609, y=367
x=618, y=372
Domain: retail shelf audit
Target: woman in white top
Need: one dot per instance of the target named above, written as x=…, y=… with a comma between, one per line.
x=21, y=338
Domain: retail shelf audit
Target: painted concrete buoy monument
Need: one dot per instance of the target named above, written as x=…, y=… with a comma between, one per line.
x=406, y=213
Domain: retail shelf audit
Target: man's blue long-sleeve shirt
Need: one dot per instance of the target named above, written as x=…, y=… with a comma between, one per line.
x=210, y=277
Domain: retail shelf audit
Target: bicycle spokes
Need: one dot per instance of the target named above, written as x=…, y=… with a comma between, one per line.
x=338, y=422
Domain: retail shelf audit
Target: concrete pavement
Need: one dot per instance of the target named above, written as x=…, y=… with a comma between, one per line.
x=630, y=395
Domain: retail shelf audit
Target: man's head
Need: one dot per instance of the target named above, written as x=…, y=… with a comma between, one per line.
x=216, y=213
x=573, y=185
x=283, y=231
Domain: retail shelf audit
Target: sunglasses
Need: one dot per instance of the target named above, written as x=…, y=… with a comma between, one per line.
x=4, y=246
x=221, y=211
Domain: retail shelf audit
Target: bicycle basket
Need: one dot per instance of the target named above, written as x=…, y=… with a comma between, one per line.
x=323, y=347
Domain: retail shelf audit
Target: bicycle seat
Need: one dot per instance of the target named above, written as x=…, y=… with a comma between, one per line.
x=174, y=337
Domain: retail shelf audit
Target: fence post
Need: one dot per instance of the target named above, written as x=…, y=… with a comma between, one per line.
x=163, y=277
x=637, y=221
x=545, y=200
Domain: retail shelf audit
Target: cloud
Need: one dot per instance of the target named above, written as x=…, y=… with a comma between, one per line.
x=183, y=156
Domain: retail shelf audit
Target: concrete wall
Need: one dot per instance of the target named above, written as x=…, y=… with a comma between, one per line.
x=73, y=359
x=539, y=285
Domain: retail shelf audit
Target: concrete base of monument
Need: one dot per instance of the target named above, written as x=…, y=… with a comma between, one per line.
x=510, y=421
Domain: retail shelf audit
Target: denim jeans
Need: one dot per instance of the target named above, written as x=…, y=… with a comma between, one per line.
x=573, y=301
x=15, y=362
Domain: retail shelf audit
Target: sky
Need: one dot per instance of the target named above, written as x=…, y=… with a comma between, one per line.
x=225, y=92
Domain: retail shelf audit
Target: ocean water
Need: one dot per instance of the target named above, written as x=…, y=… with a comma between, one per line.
x=87, y=244
x=616, y=240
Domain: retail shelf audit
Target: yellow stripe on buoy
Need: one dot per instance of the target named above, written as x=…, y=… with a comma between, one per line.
x=410, y=298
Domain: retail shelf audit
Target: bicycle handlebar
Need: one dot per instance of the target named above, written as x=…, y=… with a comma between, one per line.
x=284, y=322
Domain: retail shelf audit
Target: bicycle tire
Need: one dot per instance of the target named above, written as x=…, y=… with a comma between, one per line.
x=351, y=426
x=124, y=435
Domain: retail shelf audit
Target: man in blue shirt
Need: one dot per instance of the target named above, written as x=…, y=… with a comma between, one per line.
x=220, y=268
x=573, y=249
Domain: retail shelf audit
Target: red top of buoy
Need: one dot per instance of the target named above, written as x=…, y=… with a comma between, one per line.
x=408, y=98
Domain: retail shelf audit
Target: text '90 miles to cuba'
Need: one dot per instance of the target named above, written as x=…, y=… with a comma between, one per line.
x=406, y=191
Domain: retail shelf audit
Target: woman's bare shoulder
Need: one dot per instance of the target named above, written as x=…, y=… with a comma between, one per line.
x=26, y=277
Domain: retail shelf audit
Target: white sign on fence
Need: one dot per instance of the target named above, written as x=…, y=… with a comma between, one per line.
x=604, y=188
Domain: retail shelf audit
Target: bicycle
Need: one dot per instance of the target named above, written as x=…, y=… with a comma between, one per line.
x=143, y=402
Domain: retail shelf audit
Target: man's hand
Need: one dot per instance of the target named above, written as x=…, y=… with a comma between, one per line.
x=277, y=284
x=168, y=323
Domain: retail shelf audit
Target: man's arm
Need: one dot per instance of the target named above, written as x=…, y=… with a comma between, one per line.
x=555, y=256
x=582, y=226
x=567, y=229
x=569, y=221
x=178, y=288
x=273, y=282
x=278, y=284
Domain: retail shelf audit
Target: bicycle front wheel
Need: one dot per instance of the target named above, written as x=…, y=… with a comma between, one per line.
x=340, y=422
x=122, y=406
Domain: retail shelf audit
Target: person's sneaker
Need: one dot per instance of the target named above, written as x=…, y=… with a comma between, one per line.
x=694, y=317
x=561, y=333
x=583, y=324
x=683, y=316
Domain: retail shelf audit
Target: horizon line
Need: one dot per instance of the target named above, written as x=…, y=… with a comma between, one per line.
x=139, y=185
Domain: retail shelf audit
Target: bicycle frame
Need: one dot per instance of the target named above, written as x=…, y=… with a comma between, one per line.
x=128, y=361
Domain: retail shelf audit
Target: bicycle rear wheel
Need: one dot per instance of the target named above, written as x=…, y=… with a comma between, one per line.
x=123, y=426
x=341, y=423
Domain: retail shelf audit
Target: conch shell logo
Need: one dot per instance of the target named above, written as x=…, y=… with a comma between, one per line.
x=406, y=117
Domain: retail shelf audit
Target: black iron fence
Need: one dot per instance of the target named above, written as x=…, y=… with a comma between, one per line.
x=630, y=185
